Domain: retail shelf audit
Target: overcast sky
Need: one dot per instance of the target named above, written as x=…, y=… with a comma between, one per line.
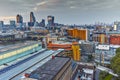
x=65, y=11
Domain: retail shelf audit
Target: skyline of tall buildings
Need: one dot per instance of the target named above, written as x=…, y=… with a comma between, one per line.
x=50, y=20
x=50, y=23
x=19, y=23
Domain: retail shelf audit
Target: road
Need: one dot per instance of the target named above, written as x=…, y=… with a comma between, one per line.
x=97, y=72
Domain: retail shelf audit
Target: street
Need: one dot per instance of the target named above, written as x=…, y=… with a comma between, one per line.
x=97, y=72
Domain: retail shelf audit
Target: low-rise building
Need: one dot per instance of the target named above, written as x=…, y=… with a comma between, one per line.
x=87, y=47
x=104, y=53
x=39, y=30
x=71, y=49
x=85, y=71
x=115, y=39
x=58, y=68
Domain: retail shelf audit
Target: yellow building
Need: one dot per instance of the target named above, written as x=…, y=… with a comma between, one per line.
x=76, y=51
x=102, y=38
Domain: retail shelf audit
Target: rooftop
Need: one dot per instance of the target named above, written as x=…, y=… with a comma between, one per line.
x=15, y=46
x=49, y=69
x=88, y=71
x=61, y=42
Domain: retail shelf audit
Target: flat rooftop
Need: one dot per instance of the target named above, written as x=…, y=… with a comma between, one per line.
x=49, y=69
x=61, y=42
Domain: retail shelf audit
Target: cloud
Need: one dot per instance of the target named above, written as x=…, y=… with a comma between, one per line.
x=94, y=4
x=72, y=7
x=7, y=17
x=41, y=3
x=35, y=8
x=60, y=4
x=46, y=5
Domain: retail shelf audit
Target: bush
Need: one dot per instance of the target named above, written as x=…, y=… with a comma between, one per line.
x=105, y=76
x=115, y=62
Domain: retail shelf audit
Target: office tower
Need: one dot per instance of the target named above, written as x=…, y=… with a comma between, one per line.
x=19, y=19
x=32, y=20
x=50, y=21
x=1, y=24
x=32, y=17
x=36, y=24
x=116, y=26
x=12, y=23
x=30, y=24
x=42, y=23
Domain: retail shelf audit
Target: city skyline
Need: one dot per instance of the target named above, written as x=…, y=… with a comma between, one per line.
x=64, y=11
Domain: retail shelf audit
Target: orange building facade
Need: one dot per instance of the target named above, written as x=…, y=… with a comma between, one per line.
x=54, y=46
x=101, y=38
x=72, y=47
x=81, y=34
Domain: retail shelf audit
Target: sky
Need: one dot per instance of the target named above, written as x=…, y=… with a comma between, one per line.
x=65, y=11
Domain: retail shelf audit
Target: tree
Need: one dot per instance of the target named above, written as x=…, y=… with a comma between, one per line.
x=105, y=76
x=90, y=57
x=115, y=62
x=118, y=50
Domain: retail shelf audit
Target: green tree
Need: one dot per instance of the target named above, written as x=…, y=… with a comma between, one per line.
x=105, y=76
x=115, y=62
x=118, y=50
x=90, y=58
